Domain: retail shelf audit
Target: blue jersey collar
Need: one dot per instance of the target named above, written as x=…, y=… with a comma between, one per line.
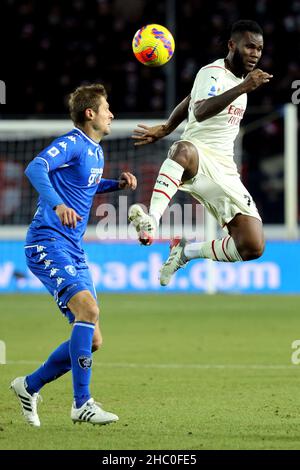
x=86, y=136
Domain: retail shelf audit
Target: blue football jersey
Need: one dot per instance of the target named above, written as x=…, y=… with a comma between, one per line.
x=75, y=166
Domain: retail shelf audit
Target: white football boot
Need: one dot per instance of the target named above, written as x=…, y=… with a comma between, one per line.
x=176, y=260
x=91, y=412
x=144, y=224
x=28, y=402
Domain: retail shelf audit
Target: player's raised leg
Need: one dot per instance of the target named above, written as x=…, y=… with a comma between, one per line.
x=84, y=408
x=245, y=242
x=181, y=165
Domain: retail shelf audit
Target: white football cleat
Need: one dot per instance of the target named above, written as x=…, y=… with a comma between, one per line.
x=28, y=402
x=144, y=224
x=91, y=412
x=176, y=260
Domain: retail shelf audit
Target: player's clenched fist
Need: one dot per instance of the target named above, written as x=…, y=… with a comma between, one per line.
x=127, y=181
x=255, y=79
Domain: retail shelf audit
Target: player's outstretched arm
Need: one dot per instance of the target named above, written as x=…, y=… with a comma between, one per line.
x=148, y=135
x=126, y=181
x=205, y=109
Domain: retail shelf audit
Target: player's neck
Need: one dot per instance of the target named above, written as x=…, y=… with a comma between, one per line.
x=232, y=67
x=90, y=132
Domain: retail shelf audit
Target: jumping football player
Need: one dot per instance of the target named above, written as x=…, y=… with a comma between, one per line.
x=202, y=163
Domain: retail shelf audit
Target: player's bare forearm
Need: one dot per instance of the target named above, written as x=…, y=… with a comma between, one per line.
x=148, y=135
x=178, y=115
x=206, y=109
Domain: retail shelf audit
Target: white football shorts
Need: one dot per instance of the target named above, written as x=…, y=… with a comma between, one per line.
x=218, y=187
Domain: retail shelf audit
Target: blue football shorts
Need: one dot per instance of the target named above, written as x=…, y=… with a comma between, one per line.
x=62, y=273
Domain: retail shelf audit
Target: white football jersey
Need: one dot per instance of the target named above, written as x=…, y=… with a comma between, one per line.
x=218, y=132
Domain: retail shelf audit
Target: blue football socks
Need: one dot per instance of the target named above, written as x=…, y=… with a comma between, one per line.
x=76, y=354
x=57, y=364
x=81, y=360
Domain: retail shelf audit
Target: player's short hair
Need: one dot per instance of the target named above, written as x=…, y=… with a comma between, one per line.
x=85, y=96
x=242, y=26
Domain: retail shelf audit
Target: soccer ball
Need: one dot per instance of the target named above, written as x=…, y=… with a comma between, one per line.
x=153, y=45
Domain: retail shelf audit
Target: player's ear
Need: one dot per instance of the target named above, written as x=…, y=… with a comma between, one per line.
x=89, y=114
x=231, y=45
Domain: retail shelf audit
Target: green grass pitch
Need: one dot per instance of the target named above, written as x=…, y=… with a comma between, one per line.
x=182, y=372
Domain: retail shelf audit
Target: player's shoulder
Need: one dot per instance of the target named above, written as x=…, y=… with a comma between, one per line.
x=217, y=64
x=69, y=141
x=73, y=136
x=217, y=67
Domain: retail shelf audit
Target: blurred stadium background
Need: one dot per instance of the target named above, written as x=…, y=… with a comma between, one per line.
x=56, y=48
x=183, y=371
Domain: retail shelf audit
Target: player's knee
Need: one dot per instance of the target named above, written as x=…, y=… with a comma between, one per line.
x=252, y=251
x=91, y=313
x=88, y=313
x=84, y=307
x=181, y=154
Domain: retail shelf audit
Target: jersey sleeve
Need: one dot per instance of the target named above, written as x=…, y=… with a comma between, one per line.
x=62, y=152
x=208, y=83
x=107, y=186
x=38, y=174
